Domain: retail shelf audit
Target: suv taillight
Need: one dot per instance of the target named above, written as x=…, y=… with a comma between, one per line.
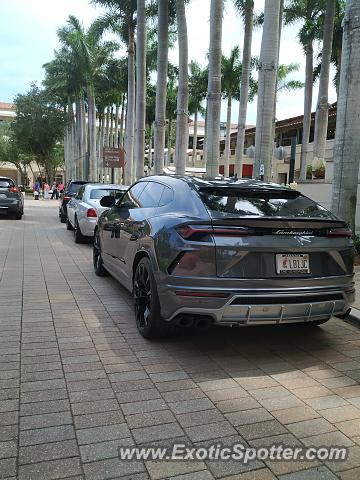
x=198, y=232
x=13, y=190
x=339, y=233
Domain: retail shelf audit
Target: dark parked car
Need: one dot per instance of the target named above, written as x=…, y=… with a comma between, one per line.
x=11, y=198
x=196, y=252
x=70, y=190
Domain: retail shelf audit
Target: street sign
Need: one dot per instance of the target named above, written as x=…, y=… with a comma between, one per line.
x=113, y=157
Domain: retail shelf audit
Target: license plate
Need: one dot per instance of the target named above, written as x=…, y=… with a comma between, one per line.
x=292, y=263
x=3, y=195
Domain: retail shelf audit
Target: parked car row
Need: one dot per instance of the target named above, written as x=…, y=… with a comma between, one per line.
x=80, y=207
x=11, y=198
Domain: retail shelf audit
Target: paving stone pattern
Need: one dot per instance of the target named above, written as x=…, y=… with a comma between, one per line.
x=77, y=381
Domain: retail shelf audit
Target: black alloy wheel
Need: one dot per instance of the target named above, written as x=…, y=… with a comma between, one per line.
x=146, y=301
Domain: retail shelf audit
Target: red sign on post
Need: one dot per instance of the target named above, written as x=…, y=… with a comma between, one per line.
x=113, y=157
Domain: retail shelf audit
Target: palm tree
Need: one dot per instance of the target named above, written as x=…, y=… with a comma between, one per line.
x=322, y=108
x=336, y=51
x=140, y=89
x=267, y=90
x=162, y=68
x=246, y=7
x=347, y=140
x=89, y=55
x=214, y=89
x=230, y=80
x=197, y=94
x=283, y=84
x=121, y=19
x=307, y=12
x=171, y=107
x=182, y=135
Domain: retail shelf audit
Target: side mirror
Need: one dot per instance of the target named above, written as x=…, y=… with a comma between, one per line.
x=126, y=205
x=107, y=201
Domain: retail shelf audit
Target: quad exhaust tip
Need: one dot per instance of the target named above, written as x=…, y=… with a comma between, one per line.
x=201, y=322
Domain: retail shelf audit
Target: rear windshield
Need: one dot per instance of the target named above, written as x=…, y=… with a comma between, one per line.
x=230, y=202
x=98, y=193
x=74, y=187
x=4, y=183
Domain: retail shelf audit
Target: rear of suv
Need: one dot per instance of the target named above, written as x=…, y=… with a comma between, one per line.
x=70, y=191
x=11, y=199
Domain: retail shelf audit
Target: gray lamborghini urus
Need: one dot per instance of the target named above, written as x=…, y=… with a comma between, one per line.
x=222, y=252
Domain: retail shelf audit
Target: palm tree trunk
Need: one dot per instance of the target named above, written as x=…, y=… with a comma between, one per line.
x=227, y=139
x=107, y=126
x=78, y=166
x=150, y=158
x=322, y=108
x=244, y=85
x=183, y=91
x=140, y=89
x=347, y=140
x=111, y=129
x=116, y=128
x=122, y=120
x=83, y=138
x=264, y=141
x=130, y=112
x=92, y=135
x=194, y=154
x=205, y=136
x=102, y=145
x=162, y=67
x=308, y=93
x=214, y=89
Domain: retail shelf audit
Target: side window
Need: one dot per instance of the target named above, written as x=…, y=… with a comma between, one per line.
x=80, y=193
x=166, y=197
x=132, y=196
x=151, y=195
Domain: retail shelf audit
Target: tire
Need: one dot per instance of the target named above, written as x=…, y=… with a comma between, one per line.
x=146, y=302
x=78, y=236
x=97, y=257
x=17, y=215
x=62, y=219
x=68, y=225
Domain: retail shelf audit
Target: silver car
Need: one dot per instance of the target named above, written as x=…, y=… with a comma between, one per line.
x=84, y=208
x=196, y=252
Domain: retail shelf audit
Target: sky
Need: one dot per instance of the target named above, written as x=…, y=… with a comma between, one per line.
x=28, y=40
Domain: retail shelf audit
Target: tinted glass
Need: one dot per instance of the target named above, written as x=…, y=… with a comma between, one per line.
x=74, y=187
x=98, y=193
x=80, y=193
x=132, y=196
x=6, y=183
x=230, y=202
x=151, y=195
x=166, y=197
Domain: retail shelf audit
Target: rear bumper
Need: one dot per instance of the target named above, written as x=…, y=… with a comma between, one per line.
x=87, y=226
x=13, y=206
x=259, y=306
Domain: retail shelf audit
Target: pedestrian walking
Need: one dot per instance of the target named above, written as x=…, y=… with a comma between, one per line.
x=54, y=190
x=46, y=190
x=36, y=190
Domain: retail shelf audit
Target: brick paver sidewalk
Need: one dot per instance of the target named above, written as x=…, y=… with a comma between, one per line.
x=77, y=381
